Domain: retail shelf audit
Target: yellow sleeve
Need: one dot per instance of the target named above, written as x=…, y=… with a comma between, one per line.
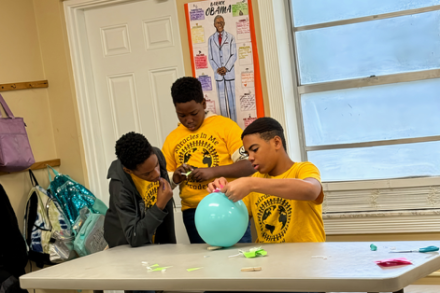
x=167, y=151
x=247, y=202
x=233, y=137
x=308, y=170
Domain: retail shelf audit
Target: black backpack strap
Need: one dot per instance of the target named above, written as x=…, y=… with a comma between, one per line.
x=33, y=179
x=31, y=210
x=30, y=216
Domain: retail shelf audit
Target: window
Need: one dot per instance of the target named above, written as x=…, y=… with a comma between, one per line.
x=368, y=75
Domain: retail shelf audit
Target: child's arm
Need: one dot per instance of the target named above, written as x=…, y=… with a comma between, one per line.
x=236, y=170
x=174, y=172
x=140, y=230
x=241, y=166
x=300, y=189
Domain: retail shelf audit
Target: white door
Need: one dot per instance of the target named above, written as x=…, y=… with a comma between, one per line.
x=136, y=55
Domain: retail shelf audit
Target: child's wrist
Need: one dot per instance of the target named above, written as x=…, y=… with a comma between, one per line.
x=215, y=173
x=254, y=184
x=160, y=205
x=176, y=182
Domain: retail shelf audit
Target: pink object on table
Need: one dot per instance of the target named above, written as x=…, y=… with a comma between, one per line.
x=393, y=262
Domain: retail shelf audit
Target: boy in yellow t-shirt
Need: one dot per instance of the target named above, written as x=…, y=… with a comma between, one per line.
x=283, y=197
x=205, y=144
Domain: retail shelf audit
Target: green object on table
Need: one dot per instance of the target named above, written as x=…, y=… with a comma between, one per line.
x=254, y=253
x=193, y=269
x=159, y=269
x=373, y=247
x=423, y=250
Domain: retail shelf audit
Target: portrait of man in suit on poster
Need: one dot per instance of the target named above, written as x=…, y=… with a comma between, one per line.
x=222, y=54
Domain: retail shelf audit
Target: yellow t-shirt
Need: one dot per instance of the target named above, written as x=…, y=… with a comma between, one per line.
x=279, y=220
x=147, y=190
x=213, y=144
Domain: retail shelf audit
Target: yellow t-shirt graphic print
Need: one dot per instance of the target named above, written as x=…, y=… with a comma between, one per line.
x=279, y=220
x=273, y=217
x=199, y=150
x=214, y=144
x=147, y=190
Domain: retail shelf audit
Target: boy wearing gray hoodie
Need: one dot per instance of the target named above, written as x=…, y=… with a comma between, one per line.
x=141, y=200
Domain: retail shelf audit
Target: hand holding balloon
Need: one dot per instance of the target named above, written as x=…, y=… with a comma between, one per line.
x=235, y=190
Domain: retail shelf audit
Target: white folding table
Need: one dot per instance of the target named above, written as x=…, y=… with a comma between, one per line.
x=289, y=267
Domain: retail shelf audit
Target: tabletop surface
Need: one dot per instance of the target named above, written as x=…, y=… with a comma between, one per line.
x=317, y=267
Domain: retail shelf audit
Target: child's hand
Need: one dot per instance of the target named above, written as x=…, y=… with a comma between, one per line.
x=203, y=174
x=178, y=176
x=218, y=184
x=238, y=189
x=164, y=193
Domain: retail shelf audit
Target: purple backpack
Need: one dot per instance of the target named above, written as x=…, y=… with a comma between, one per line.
x=15, y=150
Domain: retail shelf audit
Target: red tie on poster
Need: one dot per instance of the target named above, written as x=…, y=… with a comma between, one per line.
x=219, y=39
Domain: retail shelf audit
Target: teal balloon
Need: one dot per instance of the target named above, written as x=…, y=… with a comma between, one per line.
x=220, y=221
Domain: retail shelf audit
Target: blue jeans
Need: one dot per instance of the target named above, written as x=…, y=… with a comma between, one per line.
x=194, y=237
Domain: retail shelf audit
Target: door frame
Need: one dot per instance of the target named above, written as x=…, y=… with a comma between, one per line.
x=74, y=11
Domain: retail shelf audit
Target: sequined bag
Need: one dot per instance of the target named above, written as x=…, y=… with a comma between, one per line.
x=72, y=196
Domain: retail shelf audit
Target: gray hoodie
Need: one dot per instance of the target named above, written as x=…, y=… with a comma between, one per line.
x=127, y=221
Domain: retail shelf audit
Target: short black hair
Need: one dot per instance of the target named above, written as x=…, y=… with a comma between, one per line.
x=218, y=16
x=133, y=149
x=267, y=128
x=187, y=89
